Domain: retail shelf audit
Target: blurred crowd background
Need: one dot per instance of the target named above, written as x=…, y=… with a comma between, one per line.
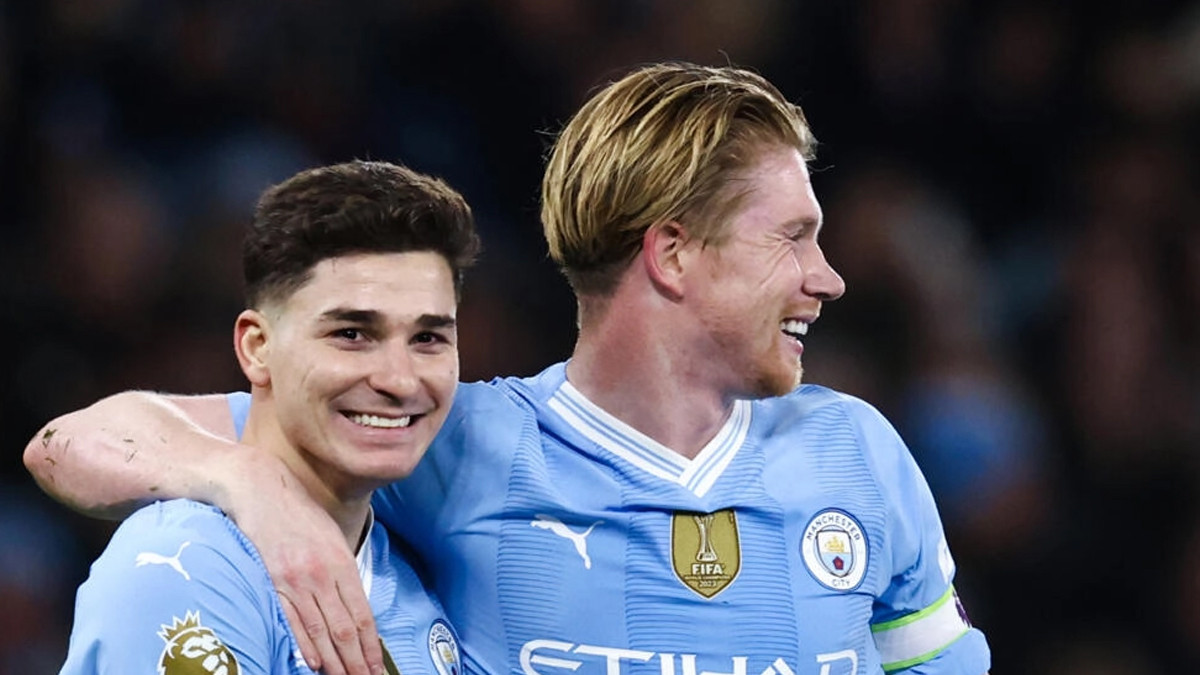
x=1010, y=188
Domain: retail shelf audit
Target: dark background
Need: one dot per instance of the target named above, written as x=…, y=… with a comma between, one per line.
x=1010, y=191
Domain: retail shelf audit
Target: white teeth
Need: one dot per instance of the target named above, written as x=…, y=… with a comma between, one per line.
x=794, y=327
x=381, y=422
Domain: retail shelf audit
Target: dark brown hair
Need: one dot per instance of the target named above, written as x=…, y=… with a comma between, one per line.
x=356, y=207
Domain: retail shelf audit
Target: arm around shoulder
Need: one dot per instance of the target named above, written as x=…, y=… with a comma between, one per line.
x=135, y=447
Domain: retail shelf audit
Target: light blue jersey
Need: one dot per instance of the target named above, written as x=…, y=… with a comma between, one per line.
x=803, y=540
x=180, y=590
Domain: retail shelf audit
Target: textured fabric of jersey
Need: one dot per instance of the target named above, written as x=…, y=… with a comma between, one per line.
x=180, y=591
x=803, y=540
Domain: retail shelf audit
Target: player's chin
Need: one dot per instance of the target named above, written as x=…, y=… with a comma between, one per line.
x=392, y=461
x=777, y=382
x=382, y=469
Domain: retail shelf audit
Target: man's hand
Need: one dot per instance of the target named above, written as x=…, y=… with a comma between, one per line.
x=315, y=575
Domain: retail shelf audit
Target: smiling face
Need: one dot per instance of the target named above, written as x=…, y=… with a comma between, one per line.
x=358, y=367
x=757, y=290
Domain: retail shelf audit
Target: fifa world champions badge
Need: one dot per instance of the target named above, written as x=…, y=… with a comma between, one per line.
x=834, y=548
x=705, y=550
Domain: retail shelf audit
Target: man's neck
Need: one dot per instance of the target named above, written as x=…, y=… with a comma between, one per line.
x=350, y=509
x=353, y=520
x=642, y=385
x=350, y=513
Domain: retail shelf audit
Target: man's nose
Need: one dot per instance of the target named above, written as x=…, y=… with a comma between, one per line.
x=821, y=280
x=395, y=372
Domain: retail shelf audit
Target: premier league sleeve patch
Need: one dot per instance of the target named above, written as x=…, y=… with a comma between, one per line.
x=834, y=548
x=193, y=649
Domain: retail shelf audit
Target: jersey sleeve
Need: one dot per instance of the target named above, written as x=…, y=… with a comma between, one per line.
x=474, y=445
x=409, y=507
x=918, y=623
x=176, y=592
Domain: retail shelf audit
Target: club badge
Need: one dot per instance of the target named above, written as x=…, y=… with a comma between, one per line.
x=834, y=548
x=705, y=550
x=443, y=649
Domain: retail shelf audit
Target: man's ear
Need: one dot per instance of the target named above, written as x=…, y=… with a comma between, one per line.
x=251, y=343
x=664, y=256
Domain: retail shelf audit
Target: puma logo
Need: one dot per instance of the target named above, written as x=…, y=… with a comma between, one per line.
x=578, y=538
x=148, y=558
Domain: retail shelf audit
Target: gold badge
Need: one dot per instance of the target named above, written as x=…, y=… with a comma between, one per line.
x=193, y=649
x=705, y=550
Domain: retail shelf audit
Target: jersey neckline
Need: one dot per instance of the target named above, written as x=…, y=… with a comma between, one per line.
x=623, y=441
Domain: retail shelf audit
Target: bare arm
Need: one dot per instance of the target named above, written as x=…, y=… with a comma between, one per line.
x=134, y=447
x=108, y=459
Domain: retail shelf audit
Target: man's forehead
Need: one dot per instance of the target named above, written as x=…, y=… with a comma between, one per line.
x=379, y=289
x=409, y=272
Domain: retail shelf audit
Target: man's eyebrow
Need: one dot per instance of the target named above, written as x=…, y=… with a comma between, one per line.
x=805, y=223
x=371, y=316
x=436, y=321
x=351, y=315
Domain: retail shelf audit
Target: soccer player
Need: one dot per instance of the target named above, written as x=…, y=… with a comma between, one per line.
x=352, y=275
x=669, y=501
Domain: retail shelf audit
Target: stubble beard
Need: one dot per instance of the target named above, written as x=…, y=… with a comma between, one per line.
x=763, y=375
x=772, y=383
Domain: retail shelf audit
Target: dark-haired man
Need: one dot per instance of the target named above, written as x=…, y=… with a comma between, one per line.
x=348, y=340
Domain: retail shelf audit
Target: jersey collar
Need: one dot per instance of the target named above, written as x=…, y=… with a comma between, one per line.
x=623, y=441
x=364, y=555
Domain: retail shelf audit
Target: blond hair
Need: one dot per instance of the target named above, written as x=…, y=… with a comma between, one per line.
x=659, y=144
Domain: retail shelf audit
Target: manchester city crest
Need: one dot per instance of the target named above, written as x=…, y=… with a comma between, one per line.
x=443, y=649
x=834, y=548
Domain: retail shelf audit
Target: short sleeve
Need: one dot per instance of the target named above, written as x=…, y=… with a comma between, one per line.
x=918, y=623
x=409, y=507
x=175, y=592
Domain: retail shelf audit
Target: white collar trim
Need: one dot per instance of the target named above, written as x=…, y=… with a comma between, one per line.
x=614, y=436
x=364, y=555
